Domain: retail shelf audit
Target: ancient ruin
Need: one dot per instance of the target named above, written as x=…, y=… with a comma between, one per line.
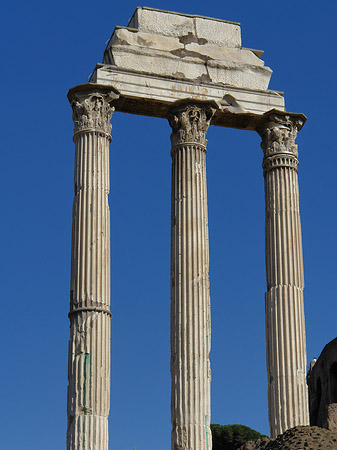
x=193, y=71
x=322, y=384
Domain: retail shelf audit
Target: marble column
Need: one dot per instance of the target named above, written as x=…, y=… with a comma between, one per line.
x=89, y=344
x=285, y=327
x=190, y=301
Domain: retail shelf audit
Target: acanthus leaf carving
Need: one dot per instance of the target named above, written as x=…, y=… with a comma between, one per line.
x=278, y=135
x=190, y=123
x=92, y=112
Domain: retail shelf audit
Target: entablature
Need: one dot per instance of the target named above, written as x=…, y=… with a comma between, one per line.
x=154, y=96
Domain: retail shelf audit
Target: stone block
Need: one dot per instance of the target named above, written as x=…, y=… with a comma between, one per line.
x=185, y=47
x=219, y=32
x=162, y=22
x=205, y=29
x=123, y=36
x=239, y=75
x=332, y=417
x=152, y=95
x=160, y=63
x=163, y=57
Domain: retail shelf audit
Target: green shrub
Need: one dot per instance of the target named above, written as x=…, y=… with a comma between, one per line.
x=231, y=437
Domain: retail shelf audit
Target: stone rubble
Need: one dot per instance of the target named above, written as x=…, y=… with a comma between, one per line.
x=297, y=438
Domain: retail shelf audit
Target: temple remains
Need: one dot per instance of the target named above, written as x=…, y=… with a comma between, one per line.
x=194, y=72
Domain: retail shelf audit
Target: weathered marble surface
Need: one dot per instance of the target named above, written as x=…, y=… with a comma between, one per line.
x=190, y=300
x=163, y=57
x=154, y=96
x=89, y=343
x=223, y=33
x=285, y=326
x=186, y=58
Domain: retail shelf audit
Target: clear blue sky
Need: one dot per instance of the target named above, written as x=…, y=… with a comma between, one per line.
x=48, y=47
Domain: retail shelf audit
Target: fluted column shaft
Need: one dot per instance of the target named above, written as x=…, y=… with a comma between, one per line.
x=190, y=301
x=89, y=344
x=285, y=327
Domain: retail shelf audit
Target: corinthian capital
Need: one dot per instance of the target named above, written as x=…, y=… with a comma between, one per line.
x=92, y=112
x=278, y=130
x=190, y=123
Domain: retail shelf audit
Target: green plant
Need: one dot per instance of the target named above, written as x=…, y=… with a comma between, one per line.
x=231, y=437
